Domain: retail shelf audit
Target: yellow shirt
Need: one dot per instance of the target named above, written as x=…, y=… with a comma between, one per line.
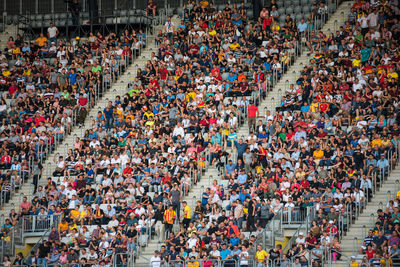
x=203, y=4
x=187, y=212
x=356, y=62
x=148, y=114
x=398, y=194
x=261, y=255
x=318, y=154
x=75, y=213
x=6, y=73
x=354, y=264
x=63, y=226
x=234, y=46
x=169, y=216
x=392, y=75
x=16, y=51
x=190, y=96
x=313, y=106
x=376, y=142
x=275, y=27
x=194, y=264
x=41, y=41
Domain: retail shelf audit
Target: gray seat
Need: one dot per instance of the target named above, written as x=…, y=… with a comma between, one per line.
x=47, y=17
x=131, y=13
x=297, y=10
x=280, y=3
x=289, y=10
x=281, y=10
x=124, y=20
x=288, y=3
x=39, y=17
x=110, y=20
x=63, y=16
x=305, y=9
x=295, y=2
x=281, y=20
x=298, y=17
x=250, y=14
x=124, y=13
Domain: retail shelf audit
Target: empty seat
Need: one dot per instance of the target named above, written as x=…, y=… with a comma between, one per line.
x=289, y=10
x=297, y=10
x=305, y=9
x=298, y=17
x=124, y=13
x=295, y=2
x=249, y=13
x=131, y=13
x=48, y=17
x=63, y=15
x=281, y=10
x=280, y=3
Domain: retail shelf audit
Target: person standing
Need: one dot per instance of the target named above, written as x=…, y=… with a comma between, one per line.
x=169, y=28
x=252, y=114
x=52, y=33
x=186, y=214
x=75, y=9
x=159, y=226
x=37, y=170
x=175, y=199
x=169, y=217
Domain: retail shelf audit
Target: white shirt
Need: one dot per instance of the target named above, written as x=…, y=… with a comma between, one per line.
x=179, y=131
x=155, y=261
x=52, y=31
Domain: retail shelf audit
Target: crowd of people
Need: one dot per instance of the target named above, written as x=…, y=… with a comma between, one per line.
x=49, y=85
x=381, y=245
x=126, y=177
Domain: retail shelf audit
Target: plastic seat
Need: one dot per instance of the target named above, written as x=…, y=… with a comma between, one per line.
x=249, y=13
x=305, y=9
x=131, y=13
x=295, y=2
x=289, y=10
x=280, y=4
x=297, y=10
x=63, y=15
x=124, y=13
x=298, y=17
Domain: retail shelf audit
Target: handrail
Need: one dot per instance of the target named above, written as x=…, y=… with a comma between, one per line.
x=36, y=246
x=305, y=225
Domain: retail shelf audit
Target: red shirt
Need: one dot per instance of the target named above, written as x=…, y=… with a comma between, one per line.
x=370, y=254
x=82, y=102
x=252, y=111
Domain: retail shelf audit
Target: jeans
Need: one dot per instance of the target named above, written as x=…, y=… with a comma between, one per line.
x=42, y=261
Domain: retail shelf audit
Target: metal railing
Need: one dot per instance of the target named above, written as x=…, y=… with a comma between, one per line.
x=378, y=176
x=39, y=223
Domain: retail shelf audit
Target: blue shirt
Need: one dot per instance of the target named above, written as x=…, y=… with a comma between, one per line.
x=302, y=27
x=72, y=78
x=225, y=253
x=232, y=78
x=230, y=168
x=242, y=178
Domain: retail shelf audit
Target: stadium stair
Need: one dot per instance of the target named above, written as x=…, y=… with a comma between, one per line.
x=366, y=220
x=118, y=88
x=270, y=102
